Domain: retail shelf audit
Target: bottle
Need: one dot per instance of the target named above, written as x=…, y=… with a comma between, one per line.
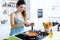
x=58, y=28
x=50, y=34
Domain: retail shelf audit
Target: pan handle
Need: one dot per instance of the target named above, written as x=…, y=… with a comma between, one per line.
x=32, y=24
x=32, y=28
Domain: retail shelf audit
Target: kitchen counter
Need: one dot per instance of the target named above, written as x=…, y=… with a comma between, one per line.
x=40, y=36
x=56, y=36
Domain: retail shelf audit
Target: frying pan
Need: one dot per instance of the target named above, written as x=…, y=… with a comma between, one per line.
x=31, y=34
x=27, y=35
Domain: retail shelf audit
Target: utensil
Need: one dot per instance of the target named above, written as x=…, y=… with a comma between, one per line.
x=32, y=24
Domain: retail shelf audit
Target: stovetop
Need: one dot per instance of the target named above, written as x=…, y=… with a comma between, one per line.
x=39, y=37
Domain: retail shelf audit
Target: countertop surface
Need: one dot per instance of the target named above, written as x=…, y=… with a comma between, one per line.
x=56, y=36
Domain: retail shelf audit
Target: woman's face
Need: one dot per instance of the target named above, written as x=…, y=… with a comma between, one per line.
x=21, y=7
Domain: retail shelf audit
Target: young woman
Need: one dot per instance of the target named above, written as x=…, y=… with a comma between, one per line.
x=19, y=18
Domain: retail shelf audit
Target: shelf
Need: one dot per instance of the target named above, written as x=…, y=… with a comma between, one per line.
x=8, y=7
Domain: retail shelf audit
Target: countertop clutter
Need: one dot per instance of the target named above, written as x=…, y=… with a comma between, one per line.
x=41, y=36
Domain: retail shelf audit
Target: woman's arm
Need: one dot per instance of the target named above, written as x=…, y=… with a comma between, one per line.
x=12, y=19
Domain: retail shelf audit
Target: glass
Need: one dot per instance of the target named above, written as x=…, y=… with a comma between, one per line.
x=47, y=25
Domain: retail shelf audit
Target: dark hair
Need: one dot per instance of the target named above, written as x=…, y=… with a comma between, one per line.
x=20, y=2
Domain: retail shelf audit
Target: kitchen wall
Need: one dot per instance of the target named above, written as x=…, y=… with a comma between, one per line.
x=4, y=27
x=50, y=12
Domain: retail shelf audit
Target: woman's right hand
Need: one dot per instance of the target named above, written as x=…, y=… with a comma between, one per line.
x=32, y=24
x=27, y=24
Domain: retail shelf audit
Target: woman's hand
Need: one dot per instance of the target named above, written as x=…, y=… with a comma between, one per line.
x=27, y=24
x=32, y=24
